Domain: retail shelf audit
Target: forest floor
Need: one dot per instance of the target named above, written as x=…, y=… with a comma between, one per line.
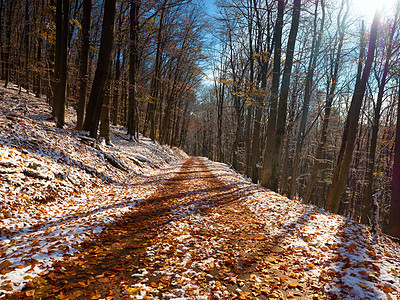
x=144, y=221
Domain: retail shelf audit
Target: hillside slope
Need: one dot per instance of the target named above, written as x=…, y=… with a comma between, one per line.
x=57, y=191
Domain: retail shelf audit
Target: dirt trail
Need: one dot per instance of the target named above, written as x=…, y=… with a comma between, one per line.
x=192, y=239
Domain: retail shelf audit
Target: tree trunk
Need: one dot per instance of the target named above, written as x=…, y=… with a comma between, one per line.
x=394, y=213
x=248, y=140
x=316, y=44
x=133, y=66
x=7, y=56
x=273, y=153
x=96, y=95
x=350, y=130
x=155, y=81
x=1, y=40
x=333, y=79
x=62, y=28
x=83, y=67
x=26, y=42
x=261, y=93
x=115, y=98
x=105, y=112
x=369, y=175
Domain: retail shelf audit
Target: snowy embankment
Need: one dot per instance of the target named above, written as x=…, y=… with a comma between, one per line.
x=353, y=262
x=56, y=191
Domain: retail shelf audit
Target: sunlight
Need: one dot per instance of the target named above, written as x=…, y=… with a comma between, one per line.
x=366, y=8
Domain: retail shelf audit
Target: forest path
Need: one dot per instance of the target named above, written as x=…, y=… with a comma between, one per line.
x=194, y=238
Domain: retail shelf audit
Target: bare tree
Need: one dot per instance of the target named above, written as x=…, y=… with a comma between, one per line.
x=350, y=130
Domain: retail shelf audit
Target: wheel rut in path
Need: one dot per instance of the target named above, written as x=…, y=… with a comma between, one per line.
x=191, y=239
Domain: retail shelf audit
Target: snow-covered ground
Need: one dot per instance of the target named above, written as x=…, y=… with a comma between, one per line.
x=56, y=191
x=354, y=263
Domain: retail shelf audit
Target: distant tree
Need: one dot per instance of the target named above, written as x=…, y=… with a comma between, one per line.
x=99, y=82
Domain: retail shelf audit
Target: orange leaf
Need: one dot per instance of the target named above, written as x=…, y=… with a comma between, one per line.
x=282, y=279
x=387, y=289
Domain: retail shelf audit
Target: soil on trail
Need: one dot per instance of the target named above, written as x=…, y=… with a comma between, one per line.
x=192, y=239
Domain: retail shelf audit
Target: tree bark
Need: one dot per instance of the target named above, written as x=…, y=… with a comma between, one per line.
x=97, y=93
x=350, y=130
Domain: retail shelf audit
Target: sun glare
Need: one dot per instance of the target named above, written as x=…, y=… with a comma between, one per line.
x=366, y=8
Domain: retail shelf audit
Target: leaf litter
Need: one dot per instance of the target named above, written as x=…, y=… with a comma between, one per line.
x=74, y=227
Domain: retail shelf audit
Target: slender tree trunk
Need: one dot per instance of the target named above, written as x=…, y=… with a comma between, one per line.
x=248, y=140
x=115, y=101
x=220, y=90
x=105, y=111
x=83, y=66
x=97, y=93
x=1, y=40
x=394, y=213
x=320, y=153
x=7, y=56
x=26, y=42
x=38, y=84
x=273, y=153
x=369, y=176
x=155, y=82
x=235, y=145
x=317, y=39
x=260, y=97
x=133, y=66
x=350, y=130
